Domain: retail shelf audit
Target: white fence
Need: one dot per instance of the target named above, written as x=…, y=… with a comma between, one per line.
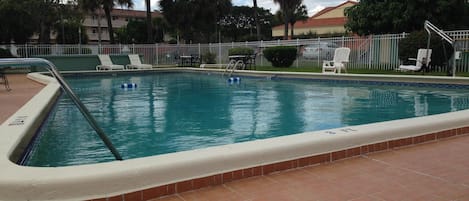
x=372, y=52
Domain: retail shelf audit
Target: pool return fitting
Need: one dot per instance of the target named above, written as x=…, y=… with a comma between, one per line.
x=53, y=70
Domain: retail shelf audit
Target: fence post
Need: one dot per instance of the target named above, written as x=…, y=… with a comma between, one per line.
x=199, y=50
x=298, y=51
x=219, y=52
x=157, y=54
x=370, y=51
x=133, y=48
x=343, y=41
x=261, y=53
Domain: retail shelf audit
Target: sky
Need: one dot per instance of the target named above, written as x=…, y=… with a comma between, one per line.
x=313, y=6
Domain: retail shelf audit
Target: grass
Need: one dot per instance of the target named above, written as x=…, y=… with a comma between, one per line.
x=354, y=71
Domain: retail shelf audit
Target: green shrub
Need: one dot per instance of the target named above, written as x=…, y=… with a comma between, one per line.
x=240, y=51
x=280, y=56
x=409, y=46
x=209, y=58
x=75, y=50
x=5, y=53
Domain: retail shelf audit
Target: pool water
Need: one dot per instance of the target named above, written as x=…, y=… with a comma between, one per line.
x=172, y=112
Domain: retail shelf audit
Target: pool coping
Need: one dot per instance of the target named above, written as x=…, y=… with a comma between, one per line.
x=149, y=177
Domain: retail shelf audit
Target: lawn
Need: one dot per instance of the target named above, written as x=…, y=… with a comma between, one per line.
x=354, y=71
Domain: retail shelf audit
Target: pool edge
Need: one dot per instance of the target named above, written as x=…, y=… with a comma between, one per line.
x=189, y=170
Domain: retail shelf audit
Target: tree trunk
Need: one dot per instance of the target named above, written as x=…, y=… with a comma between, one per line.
x=107, y=11
x=292, y=31
x=286, y=20
x=256, y=18
x=149, y=24
x=44, y=33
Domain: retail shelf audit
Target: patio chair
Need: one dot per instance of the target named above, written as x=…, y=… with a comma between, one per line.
x=106, y=63
x=135, y=63
x=341, y=56
x=420, y=62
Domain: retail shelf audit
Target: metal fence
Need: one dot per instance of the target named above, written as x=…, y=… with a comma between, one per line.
x=371, y=52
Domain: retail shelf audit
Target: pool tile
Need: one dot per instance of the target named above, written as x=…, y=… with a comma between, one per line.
x=353, y=152
x=338, y=155
x=238, y=174
x=184, y=186
x=116, y=198
x=217, y=179
x=257, y=171
x=248, y=172
x=155, y=192
x=202, y=182
x=134, y=196
x=227, y=177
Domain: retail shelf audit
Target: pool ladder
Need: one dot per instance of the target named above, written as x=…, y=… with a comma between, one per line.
x=233, y=65
x=53, y=70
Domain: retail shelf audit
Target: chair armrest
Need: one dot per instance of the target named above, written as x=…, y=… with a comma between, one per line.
x=412, y=59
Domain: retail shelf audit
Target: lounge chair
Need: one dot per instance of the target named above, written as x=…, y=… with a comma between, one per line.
x=135, y=63
x=341, y=56
x=106, y=63
x=420, y=61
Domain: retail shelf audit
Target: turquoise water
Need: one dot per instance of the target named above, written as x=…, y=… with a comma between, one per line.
x=171, y=112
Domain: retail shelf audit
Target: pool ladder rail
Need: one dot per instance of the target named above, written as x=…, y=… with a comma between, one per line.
x=53, y=70
x=233, y=65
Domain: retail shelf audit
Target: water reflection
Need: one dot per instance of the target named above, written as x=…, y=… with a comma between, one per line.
x=173, y=112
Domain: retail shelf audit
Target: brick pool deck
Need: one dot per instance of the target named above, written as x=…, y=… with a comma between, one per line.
x=436, y=170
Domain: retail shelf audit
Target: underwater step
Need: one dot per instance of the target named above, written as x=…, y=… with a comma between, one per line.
x=128, y=85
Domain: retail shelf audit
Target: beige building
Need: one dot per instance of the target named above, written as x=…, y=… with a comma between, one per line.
x=120, y=18
x=329, y=20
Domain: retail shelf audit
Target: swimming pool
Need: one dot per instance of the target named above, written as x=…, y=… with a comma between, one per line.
x=172, y=112
x=153, y=176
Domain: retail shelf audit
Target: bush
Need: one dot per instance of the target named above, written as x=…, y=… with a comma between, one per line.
x=240, y=51
x=409, y=46
x=280, y=56
x=209, y=58
x=75, y=50
x=5, y=53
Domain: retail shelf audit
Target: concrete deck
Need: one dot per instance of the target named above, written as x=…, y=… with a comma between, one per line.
x=438, y=170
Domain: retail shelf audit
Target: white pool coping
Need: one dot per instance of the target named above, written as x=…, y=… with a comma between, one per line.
x=115, y=178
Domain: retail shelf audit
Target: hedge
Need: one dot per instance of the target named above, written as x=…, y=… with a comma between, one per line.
x=281, y=56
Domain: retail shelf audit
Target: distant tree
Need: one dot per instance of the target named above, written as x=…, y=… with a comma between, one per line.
x=149, y=22
x=107, y=6
x=22, y=27
x=194, y=18
x=256, y=19
x=239, y=23
x=381, y=17
x=299, y=14
x=67, y=33
x=287, y=7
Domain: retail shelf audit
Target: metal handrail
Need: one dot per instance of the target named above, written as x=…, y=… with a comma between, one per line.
x=430, y=27
x=53, y=70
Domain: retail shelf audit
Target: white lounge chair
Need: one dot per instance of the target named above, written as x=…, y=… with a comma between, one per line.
x=341, y=56
x=421, y=59
x=106, y=63
x=135, y=63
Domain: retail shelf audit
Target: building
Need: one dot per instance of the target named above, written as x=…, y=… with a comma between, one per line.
x=327, y=21
x=120, y=18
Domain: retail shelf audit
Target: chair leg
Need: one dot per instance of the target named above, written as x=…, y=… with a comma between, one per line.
x=5, y=81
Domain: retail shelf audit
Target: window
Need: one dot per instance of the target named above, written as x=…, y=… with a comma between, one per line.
x=95, y=30
x=114, y=18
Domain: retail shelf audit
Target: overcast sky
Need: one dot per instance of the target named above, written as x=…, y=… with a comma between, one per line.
x=313, y=6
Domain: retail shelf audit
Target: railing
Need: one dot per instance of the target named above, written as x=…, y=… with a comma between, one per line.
x=53, y=70
x=372, y=52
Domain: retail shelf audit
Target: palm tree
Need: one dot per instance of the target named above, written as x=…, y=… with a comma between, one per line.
x=149, y=22
x=107, y=5
x=256, y=18
x=287, y=7
x=300, y=13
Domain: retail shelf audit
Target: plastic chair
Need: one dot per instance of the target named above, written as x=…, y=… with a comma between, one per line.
x=341, y=56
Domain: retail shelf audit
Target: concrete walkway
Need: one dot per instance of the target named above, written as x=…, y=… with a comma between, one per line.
x=22, y=89
x=437, y=170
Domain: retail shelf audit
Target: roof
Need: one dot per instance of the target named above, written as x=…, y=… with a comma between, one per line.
x=313, y=22
x=317, y=23
x=327, y=9
x=131, y=13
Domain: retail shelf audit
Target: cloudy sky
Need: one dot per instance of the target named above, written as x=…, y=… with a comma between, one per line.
x=313, y=6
